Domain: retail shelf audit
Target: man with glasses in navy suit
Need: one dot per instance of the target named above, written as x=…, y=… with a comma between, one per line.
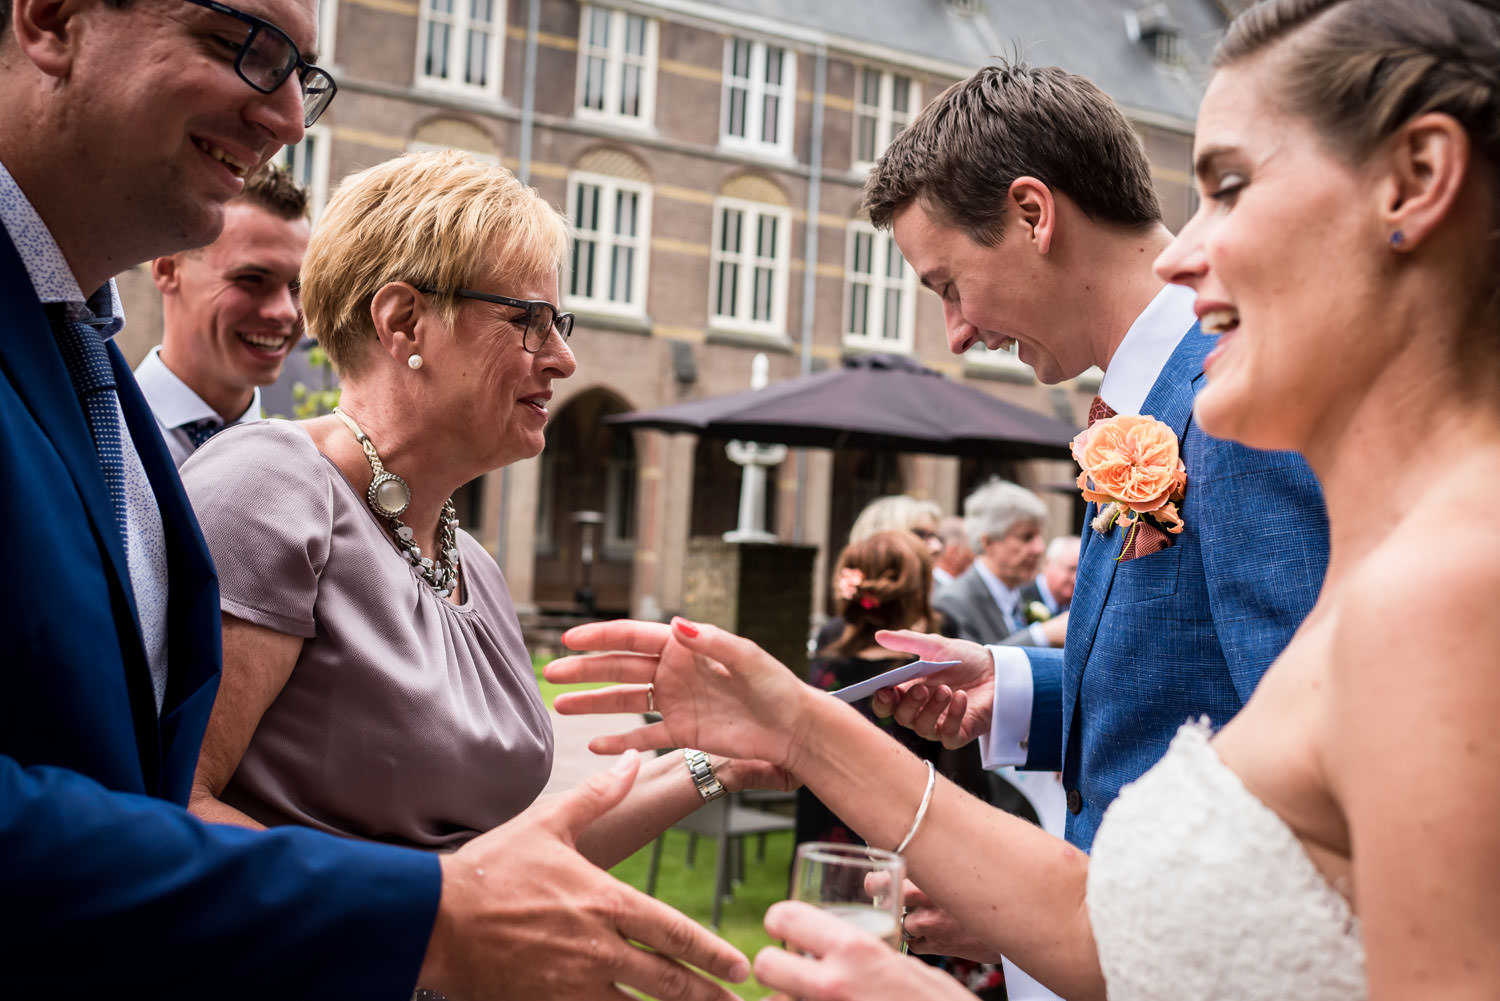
x=125, y=128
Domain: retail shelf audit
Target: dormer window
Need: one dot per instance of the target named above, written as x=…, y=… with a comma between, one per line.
x=1152, y=25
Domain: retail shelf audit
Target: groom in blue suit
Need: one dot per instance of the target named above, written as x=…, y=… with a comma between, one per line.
x=1023, y=198
x=124, y=127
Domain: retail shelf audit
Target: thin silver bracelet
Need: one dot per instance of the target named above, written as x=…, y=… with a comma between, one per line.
x=921, y=810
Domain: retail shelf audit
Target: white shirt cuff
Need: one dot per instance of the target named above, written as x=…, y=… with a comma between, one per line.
x=1010, y=720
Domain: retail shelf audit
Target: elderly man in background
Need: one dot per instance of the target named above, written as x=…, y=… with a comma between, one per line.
x=230, y=315
x=125, y=128
x=1004, y=524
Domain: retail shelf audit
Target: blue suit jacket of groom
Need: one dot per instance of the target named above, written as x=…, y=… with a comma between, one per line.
x=108, y=887
x=1184, y=632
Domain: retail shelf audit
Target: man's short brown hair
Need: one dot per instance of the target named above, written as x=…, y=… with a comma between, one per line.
x=274, y=190
x=963, y=150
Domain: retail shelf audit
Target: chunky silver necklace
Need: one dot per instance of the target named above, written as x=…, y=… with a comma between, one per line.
x=389, y=497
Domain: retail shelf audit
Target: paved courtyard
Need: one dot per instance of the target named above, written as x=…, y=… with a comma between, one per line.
x=573, y=761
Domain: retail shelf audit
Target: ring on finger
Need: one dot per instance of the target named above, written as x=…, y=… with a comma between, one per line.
x=651, y=697
x=906, y=936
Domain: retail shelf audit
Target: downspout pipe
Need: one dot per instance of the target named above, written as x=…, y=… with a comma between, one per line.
x=810, y=263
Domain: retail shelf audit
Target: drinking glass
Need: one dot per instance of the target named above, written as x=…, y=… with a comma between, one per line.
x=855, y=883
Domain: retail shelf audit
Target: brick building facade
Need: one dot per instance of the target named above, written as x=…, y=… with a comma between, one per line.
x=711, y=158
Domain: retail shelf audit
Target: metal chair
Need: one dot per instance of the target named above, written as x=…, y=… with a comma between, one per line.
x=728, y=821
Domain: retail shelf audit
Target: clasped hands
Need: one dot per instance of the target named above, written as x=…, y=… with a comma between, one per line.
x=724, y=694
x=523, y=914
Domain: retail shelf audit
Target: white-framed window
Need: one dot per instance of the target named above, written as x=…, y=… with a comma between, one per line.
x=616, y=66
x=749, y=266
x=883, y=105
x=760, y=90
x=308, y=164
x=611, y=235
x=328, y=19
x=880, y=292
x=459, y=44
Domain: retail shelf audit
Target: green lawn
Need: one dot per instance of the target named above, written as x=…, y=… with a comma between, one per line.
x=551, y=691
x=690, y=890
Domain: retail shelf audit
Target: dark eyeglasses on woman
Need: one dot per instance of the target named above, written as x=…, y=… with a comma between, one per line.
x=267, y=57
x=542, y=318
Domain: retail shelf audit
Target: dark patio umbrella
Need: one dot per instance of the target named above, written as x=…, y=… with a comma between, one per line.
x=882, y=402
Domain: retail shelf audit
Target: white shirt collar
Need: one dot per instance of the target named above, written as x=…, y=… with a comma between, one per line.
x=1148, y=344
x=174, y=402
x=1005, y=597
x=45, y=265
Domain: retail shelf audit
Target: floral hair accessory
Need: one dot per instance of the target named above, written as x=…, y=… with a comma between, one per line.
x=1132, y=468
x=848, y=584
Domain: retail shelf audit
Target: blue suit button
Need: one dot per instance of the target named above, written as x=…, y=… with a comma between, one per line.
x=1075, y=802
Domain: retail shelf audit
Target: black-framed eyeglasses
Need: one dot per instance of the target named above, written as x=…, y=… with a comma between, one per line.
x=267, y=57
x=542, y=318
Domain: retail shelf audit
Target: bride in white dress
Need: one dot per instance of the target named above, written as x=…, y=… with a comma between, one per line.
x=1340, y=838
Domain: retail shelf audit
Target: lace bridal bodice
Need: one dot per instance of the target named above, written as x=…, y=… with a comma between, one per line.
x=1198, y=892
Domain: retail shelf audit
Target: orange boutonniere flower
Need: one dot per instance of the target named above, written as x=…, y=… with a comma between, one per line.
x=1132, y=469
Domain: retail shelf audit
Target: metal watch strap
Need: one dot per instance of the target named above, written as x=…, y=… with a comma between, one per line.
x=709, y=786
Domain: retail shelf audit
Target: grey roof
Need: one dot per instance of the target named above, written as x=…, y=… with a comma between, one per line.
x=1084, y=36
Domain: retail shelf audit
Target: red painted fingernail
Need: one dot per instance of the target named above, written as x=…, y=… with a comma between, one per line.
x=686, y=628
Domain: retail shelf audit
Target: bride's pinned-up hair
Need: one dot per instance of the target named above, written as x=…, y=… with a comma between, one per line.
x=1358, y=70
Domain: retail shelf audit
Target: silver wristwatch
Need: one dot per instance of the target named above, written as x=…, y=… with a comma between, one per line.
x=709, y=786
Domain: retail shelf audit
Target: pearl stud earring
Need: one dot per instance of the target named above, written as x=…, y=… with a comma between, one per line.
x=414, y=361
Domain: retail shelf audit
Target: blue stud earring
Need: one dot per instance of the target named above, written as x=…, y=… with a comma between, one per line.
x=1398, y=238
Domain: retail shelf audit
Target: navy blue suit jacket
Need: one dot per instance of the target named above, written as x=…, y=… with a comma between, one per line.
x=108, y=887
x=1186, y=631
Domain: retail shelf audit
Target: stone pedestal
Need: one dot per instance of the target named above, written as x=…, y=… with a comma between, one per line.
x=762, y=591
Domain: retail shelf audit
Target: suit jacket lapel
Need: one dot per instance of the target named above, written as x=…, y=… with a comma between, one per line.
x=1171, y=402
x=984, y=603
x=188, y=563
x=36, y=369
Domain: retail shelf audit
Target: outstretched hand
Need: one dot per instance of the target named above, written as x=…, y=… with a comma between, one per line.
x=522, y=914
x=839, y=961
x=954, y=705
x=714, y=691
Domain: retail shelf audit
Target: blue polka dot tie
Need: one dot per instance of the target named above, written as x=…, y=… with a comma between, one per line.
x=199, y=432
x=94, y=380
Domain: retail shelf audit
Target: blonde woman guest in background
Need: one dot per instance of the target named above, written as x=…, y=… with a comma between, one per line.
x=899, y=512
x=891, y=513
x=375, y=682
x=1348, y=154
